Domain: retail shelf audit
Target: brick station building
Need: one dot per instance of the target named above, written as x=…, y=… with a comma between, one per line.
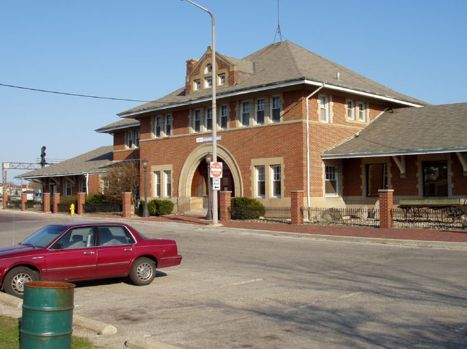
x=288, y=119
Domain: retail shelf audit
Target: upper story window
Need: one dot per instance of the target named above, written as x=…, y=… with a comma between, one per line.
x=221, y=79
x=209, y=119
x=224, y=116
x=158, y=127
x=245, y=114
x=276, y=109
x=132, y=138
x=208, y=82
x=197, y=121
x=208, y=69
x=362, y=111
x=197, y=85
x=324, y=108
x=260, y=111
x=350, y=109
x=169, y=125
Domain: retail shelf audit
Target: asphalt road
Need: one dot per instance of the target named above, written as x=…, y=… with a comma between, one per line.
x=238, y=289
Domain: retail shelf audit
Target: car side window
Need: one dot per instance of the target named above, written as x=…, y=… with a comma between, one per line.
x=114, y=236
x=76, y=238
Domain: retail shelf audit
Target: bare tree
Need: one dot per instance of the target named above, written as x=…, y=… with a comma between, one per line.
x=124, y=176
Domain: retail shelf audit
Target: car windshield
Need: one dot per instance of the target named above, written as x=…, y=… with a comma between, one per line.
x=44, y=236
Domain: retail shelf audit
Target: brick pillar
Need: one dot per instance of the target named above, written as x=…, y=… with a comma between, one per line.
x=24, y=199
x=126, y=204
x=385, y=207
x=81, y=201
x=224, y=205
x=55, y=202
x=46, y=202
x=296, y=203
x=5, y=198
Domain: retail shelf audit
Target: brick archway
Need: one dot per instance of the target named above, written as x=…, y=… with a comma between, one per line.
x=192, y=162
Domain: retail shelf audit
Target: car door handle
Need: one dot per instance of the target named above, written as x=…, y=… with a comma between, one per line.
x=128, y=249
x=89, y=252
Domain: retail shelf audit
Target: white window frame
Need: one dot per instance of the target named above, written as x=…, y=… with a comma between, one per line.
x=157, y=190
x=276, y=98
x=274, y=180
x=83, y=185
x=226, y=116
x=221, y=79
x=206, y=120
x=167, y=183
x=324, y=106
x=169, y=122
x=195, y=113
x=242, y=113
x=196, y=84
x=131, y=138
x=350, y=111
x=208, y=68
x=336, y=179
x=259, y=180
x=362, y=111
x=208, y=82
x=257, y=109
x=158, y=122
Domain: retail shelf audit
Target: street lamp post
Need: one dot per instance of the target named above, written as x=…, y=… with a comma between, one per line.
x=145, y=170
x=208, y=177
x=214, y=113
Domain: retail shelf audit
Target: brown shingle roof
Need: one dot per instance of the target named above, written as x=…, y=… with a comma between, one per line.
x=118, y=125
x=94, y=161
x=430, y=129
x=280, y=63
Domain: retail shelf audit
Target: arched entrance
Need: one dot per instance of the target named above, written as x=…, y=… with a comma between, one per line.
x=193, y=183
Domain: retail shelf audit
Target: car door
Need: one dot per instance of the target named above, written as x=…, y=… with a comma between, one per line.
x=73, y=256
x=115, y=251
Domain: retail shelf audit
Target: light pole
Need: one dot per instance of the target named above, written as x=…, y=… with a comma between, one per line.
x=214, y=113
x=208, y=177
x=145, y=169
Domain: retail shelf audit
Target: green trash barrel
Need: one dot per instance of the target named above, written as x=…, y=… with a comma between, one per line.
x=47, y=321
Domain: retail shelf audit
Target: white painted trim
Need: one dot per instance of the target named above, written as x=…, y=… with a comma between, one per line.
x=272, y=87
x=421, y=152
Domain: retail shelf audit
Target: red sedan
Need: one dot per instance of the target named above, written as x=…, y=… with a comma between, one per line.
x=74, y=252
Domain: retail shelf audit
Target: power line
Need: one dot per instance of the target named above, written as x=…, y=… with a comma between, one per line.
x=72, y=94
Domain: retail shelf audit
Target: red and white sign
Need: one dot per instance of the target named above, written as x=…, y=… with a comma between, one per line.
x=216, y=170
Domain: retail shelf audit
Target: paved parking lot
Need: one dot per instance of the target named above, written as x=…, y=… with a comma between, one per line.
x=238, y=289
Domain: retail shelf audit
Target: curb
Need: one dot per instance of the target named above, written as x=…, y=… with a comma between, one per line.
x=138, y=343
x=98, y=327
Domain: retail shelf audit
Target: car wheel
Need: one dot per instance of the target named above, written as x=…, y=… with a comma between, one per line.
x=16, y=278
x=143, y=271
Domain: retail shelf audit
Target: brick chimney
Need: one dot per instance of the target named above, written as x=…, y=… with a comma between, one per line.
x=189, y=68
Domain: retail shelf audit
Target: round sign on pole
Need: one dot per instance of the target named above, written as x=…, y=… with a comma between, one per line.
x=216, y=170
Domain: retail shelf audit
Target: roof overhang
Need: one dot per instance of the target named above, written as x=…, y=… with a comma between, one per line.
x=116, y=128
x=61, y=174
x=396, y=153
x=245, y=91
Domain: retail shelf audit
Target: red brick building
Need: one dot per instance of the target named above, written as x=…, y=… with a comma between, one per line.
x=288, y=119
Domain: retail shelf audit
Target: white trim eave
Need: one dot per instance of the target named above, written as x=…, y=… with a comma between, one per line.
x=271, y=87
x=377, y=155
x=62, y=175
x=361, y=93
x=110, y=129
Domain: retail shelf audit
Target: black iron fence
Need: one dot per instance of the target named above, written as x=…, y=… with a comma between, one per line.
x=454, y=217
x=103, y=207
x=261, y=213
x=342, y=216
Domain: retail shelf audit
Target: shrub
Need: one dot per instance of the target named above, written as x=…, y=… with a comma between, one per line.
x=95, y=198
x=157, y=207
x=247, y=208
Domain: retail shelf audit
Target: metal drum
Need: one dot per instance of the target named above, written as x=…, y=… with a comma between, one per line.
x=47, y=321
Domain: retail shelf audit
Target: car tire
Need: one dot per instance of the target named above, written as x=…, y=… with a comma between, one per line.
x=16, y=278
x=143, y=271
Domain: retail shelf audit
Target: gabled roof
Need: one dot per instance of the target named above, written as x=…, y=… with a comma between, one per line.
x=431, y=129
x=277, y=64
x=118, y=125
x=94, y=161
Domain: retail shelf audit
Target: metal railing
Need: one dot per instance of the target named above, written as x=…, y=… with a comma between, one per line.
x=454, y=217
x=102, y=207
x=342, y=216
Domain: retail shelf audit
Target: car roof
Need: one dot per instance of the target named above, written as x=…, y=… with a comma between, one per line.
x=86, y=224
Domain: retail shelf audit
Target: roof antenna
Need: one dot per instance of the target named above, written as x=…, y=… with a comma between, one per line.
x=278, y=30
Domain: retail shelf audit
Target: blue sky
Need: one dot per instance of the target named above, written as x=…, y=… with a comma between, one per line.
x=137, y=49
